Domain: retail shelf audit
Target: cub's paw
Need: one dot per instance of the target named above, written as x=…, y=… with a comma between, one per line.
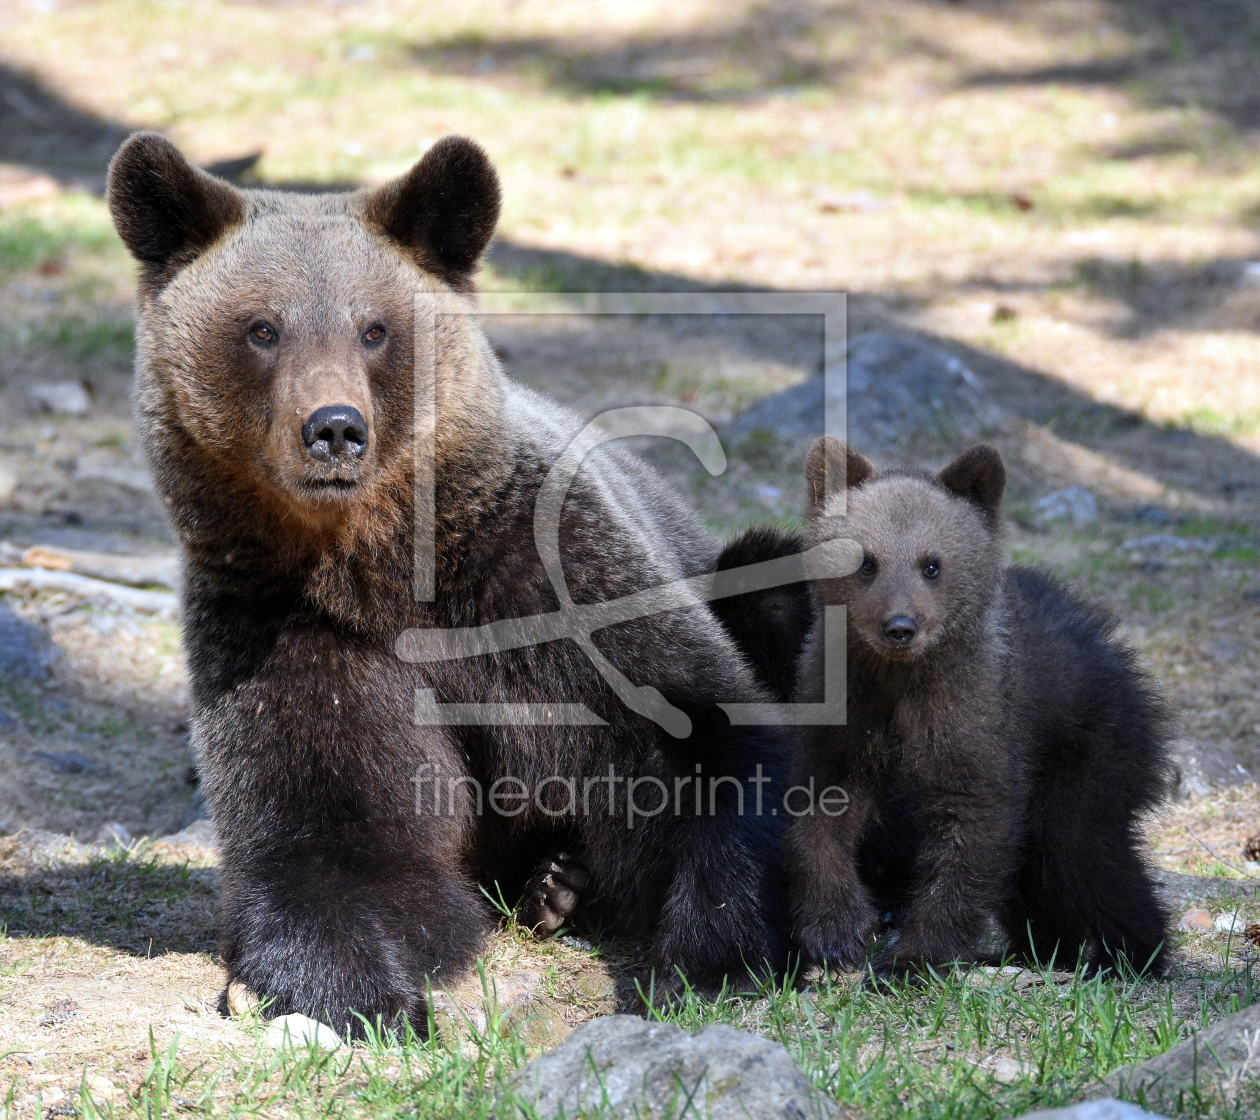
x=553, y=893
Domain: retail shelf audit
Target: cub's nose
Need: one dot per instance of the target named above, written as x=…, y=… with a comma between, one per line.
x=901, y=628
x=335, y=430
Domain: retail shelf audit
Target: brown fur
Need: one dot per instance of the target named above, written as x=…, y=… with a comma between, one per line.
x=974, y=749
x=341, y=895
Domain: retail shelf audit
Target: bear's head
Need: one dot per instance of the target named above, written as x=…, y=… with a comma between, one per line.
x=932, y=554
x=277, y=341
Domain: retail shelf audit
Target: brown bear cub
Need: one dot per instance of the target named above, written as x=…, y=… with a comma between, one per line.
x=277, y=401
x=1000, y=747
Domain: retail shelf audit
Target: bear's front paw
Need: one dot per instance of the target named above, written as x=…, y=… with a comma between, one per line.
x=838, y=939
x=910, y=958
x=553, y=893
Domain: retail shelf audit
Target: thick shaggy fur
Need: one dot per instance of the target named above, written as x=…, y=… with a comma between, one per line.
x=768, y=626
x=345, y=888
x=997, y=763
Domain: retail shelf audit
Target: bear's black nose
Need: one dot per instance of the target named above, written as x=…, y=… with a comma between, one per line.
x=900, y=629
x=335, y=430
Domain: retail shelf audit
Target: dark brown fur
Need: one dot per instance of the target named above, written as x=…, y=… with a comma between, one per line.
x=997, y=763
x=343, y=894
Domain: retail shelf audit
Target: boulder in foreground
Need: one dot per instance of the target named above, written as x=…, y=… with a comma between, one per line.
x=624, y=1066
x=1221, y=1062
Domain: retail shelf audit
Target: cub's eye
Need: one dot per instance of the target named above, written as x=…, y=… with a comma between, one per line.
x=263, y=332
x=374, y=334
x=868, y=567
x=931, y=569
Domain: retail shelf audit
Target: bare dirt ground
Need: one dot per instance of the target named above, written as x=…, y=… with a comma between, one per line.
x=1063, y=193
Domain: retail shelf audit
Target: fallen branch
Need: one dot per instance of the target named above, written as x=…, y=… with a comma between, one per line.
x=139, y=571
x=152, y=602
x=1222, y=859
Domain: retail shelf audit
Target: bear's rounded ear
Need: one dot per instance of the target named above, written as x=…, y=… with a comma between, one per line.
x=166, y=210
x=443, y=211
x=833, y=464
x=979, y=476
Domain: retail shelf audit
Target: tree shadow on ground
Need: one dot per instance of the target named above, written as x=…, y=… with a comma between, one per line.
x=1218, y=294
x=1211, y=467
x=766, y=48
x=39, y=129
x=42, y=131
x=142, y=902
x=1200, y=55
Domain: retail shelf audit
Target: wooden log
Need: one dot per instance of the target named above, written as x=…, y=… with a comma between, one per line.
x=139, y=571
x=152, y=602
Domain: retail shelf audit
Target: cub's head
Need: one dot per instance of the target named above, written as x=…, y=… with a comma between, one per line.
x=277, y=333
x=931, y=545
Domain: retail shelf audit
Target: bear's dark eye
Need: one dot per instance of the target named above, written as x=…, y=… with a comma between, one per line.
x=931, y=569
x=374, y=334
x=264, y=333
x=868, y=567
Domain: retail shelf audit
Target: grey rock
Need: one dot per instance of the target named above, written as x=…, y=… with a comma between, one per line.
x=900, y=389
x=1215, y=1063
x=1106, y=1109
x=623, y=1066
x=26, y=651
x=199, y=834
x=1199, y=768
x=1075, y=504
x=1180, y=891
x=66, y=762
x=68, y=398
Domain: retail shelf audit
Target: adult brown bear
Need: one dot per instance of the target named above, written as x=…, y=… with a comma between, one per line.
x=275, y=401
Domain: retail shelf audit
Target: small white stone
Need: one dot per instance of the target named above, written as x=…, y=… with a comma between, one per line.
x=1229, y=923
x=1007, y=1070
x=298, y=1030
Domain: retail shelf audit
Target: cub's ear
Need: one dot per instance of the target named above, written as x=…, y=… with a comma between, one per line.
x=979, y=476
x=443, y=211
x=166, y=210
x=831, y=465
